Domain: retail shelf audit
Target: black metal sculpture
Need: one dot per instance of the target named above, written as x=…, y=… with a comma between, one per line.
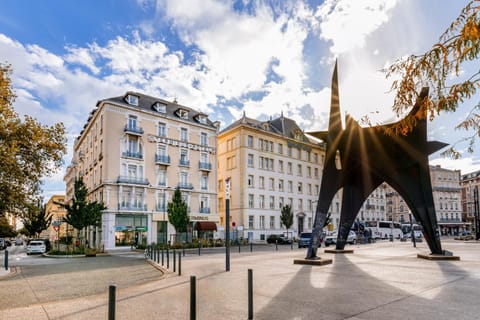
x=359, y=159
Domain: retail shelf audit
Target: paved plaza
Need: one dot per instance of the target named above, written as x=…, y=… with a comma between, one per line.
x=378, y=281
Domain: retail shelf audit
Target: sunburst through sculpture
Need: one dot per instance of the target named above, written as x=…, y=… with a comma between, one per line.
x=369, y=157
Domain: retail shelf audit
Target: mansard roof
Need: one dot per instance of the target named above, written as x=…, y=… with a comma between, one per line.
x=282, y=126
x=147, y=103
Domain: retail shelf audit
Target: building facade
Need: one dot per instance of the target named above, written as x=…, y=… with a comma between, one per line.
x=132, y=154
x=447, y=197
x=374, y=207
x=470, y=185
x=53, y=209
x=269, y=164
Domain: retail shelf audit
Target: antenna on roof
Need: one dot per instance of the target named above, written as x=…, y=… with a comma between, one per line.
x=175, y=100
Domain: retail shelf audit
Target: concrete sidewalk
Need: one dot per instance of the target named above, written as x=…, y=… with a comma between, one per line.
x=379, y=281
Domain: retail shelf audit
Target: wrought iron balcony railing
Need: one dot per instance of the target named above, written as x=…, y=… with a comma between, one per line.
x=162, y=159
x=204, y=210
x=130, y=154
x=185, y=185
x=132, y=180
x=184, y=162
x=205, y=166
x=133, y=130
x=132, y=207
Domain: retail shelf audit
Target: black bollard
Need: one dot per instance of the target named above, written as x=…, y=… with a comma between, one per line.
x=183, y=248
x=251, y=246
x=179, y=264
x=199, y=248
x=111, y=302
x=250, y=294
x=276, y=245
x=193, y=299
x=162, y=256
x=6, y=259
x=168, y=259
x=174, y=261
x=239, y=247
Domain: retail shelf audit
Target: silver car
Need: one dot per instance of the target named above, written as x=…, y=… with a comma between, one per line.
x=36, y=247
x=332, y=238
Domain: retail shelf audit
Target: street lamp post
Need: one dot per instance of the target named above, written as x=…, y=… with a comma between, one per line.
x=227, y=224
x=412, y=232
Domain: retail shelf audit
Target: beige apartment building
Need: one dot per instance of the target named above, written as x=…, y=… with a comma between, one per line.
x=57, y=228
x=269, y=164
x=132, y=153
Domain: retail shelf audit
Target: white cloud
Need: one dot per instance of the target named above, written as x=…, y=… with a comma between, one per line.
x=82, y=56
x=466, y=165
x=347, y=23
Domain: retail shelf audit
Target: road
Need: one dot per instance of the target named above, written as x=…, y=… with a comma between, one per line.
x=39, y=279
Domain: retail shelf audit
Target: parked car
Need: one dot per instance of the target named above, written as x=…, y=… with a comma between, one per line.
x=278, y=238
x=36, y=246
x=332, y=238
x=46, y=242
x=304, y=239
x=18, y=242
x=3, y=245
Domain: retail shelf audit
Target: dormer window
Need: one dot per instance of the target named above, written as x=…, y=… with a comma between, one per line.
x=182, y=113
x=202, y=119
x=131, y=99
x=160, y=107
x=298, y=134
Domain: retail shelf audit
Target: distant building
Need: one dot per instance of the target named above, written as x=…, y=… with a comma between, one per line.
x=132, y=153
x=470, y=184
x=57, y=213
x=374, y=207
x=447, y=198
x=269, y=164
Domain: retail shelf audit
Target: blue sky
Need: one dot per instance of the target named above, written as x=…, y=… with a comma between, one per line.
x=221, y=57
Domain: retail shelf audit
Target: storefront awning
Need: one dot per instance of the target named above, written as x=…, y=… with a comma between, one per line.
x=205, y=226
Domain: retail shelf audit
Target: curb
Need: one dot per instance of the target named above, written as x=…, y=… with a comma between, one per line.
x=13, y=271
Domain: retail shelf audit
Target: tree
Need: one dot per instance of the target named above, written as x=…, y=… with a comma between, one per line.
x=440, y=68
x=6, y=230
x=286, y=216
x=29, y=151
x=35, y=220
x=178, y=213
x=80, y=212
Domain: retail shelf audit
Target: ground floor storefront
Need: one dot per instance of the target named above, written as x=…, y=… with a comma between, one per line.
x=144, y=228
x=454, y=229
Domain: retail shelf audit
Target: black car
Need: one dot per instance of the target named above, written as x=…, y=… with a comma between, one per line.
x=278, y=238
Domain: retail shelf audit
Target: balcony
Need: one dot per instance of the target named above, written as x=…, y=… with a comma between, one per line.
x=162, y=159
x=132, y=207
x=130, y=154
x=204, y=210
x=161, y=208
x=451, y=220
x=185, y=186
x=206, y=166
x=184, y=162
x=137, y=131
x=132, y=180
